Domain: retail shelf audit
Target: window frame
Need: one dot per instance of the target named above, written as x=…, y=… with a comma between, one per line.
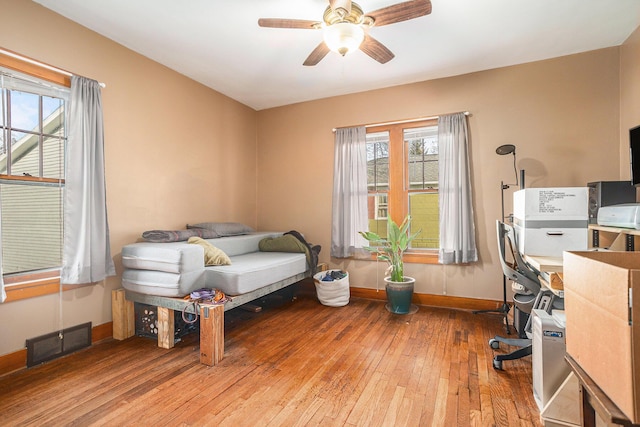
x=33, y=284
x=398, y=193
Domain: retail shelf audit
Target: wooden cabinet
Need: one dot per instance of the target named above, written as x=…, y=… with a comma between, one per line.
x=613, y=238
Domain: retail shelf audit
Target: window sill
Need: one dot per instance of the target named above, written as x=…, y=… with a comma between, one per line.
x=421, y=257
x=425, y=257
x=31, y=289
x=22, y=287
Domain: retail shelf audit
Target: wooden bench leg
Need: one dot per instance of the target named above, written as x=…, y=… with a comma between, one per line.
x=166, y=327
x=211, y=334
x=122, y=313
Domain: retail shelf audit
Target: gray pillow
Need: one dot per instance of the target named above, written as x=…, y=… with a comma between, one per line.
x=165, y=236
x=223, y=229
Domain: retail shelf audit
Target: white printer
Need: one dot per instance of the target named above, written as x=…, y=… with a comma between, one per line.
x=626, y=215
x=549, y=221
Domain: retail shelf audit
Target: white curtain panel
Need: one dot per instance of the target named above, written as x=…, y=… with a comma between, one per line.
x=86, y=256
x=457, y=229
x=349, y=193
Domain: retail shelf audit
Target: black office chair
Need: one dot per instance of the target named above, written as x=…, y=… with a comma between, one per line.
x=528, y=294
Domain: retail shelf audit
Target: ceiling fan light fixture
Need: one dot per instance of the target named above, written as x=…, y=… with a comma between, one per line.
x=343, y=37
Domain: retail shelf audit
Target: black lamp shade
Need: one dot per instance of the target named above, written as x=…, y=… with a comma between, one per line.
x=506, y=149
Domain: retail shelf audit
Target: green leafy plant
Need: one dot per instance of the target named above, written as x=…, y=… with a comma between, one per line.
x=392, y=248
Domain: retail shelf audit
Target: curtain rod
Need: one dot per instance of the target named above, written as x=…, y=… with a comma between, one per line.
x=398, y=122
x=40, y=64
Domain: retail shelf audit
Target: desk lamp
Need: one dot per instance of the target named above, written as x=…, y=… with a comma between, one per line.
x=502, y=151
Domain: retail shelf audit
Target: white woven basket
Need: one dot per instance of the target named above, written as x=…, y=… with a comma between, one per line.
x=334, y=293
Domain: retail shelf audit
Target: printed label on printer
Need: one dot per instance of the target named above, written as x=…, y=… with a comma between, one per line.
x=553, y=334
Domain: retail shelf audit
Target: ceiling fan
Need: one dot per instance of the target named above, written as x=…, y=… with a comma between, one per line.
x=345, y=27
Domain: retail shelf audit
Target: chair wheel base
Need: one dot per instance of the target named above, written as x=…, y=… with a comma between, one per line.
x=497, y=364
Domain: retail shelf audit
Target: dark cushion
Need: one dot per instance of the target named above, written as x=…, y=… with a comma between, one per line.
x=166, y=236
x=223, y=229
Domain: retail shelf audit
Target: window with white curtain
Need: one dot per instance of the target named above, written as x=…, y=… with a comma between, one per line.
x=32, y=171
x=402, y=178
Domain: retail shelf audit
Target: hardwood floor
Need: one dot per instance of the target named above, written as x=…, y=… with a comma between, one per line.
x=297, y=363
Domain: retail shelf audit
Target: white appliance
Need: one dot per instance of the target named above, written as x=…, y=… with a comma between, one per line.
x=626, y=215
x=548, y=364
x=548, y=221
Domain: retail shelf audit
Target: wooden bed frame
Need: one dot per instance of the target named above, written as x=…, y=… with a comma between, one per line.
x=211, y=316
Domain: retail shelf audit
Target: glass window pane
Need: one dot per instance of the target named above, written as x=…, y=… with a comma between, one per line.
x=25, y=111
x=2, y=108
x=31, y=227
x=382, y=206
x=3, y=149
x=53, y=117
x=423, y=208
x=53, y=157
x=378, y=161
x=376, y=208
x=25, y=153
x=3, y=129
x=421, y=152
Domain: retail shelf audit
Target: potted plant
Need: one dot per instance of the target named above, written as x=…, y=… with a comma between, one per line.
x=399, y=288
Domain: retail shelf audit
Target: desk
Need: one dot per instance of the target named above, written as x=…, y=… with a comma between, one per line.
x=613, y=238
x=547, y=264
x=550, y=269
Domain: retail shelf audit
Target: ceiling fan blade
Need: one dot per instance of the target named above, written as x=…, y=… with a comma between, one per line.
x=401, y=12
x=376, y=50
x=341, y=4
x=288, y=23
x=316, y=56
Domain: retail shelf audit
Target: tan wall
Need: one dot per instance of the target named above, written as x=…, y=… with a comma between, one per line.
x=562, y=115
x=176, y=152
x=629, y=96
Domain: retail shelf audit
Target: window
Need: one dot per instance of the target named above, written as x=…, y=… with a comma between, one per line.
x=402, y=178
x=32, y=160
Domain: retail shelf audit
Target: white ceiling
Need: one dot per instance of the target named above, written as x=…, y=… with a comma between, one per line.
x=219, y=44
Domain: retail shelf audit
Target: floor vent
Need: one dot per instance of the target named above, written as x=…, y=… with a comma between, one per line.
x=56, y=344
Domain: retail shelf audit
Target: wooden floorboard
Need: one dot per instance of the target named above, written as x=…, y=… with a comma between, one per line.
x=295, y=363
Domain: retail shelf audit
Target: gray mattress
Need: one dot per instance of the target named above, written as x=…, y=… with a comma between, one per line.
x=175, y=257
x=180, y=257
x=175, y=269
x=251, y=271
x=162, y=283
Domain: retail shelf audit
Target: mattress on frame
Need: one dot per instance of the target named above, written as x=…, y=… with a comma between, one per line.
x=162, y=283
x=254, y=270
